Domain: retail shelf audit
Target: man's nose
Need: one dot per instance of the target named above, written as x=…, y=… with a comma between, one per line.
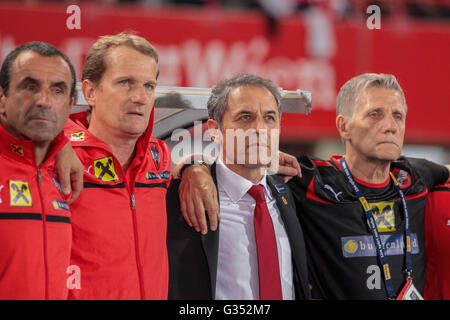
x=389, y=124
x=260, y=124
x=140, y=95
x=43, y=98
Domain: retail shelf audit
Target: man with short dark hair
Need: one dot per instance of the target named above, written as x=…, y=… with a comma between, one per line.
x=257, y=251
x=37, y=90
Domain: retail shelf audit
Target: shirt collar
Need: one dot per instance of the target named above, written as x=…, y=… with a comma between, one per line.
x=235, y=185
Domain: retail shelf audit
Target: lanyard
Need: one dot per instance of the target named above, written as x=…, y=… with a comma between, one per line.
x=373, y=227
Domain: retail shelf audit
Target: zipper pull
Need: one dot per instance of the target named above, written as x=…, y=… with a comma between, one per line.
x=133, y=202
x=39, y=176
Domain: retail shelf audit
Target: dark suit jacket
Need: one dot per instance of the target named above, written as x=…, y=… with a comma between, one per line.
x=193, y=256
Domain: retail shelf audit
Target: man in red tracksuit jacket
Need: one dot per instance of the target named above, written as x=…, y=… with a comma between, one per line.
x=37, y=89
x=437, y=243
x=119, y=220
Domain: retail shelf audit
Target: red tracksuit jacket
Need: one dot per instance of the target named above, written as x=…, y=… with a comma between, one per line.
x=35, y=231
x=119, y=220
x=437, y=241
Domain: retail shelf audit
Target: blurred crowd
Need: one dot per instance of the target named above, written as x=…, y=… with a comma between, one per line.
x=426, y=9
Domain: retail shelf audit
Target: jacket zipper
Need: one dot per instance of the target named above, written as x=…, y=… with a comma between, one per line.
x=39, y=176
x=136, y=245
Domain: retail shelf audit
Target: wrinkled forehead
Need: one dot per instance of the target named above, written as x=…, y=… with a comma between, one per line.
x=122, y=61
x=251, y=98
x=376, y=97
x=44, y=69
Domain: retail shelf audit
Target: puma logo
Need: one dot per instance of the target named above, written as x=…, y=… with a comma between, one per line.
x=336, y=195
x=88, y=170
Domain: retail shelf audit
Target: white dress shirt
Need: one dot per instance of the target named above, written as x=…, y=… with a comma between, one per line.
x=237, y=266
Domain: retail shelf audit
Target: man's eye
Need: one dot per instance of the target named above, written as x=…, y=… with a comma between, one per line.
x=245, y=117
x=398, y=116
x=149, y=86
x=373, y=114
x=124, y=82
x=31, y=87
x=270, y=118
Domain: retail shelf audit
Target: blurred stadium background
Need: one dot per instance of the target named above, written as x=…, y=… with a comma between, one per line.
x=299, y=44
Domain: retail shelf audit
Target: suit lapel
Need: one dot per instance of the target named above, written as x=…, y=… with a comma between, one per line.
x=210, y=243
x=293, y=230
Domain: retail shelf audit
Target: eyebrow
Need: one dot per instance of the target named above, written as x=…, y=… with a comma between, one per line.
x=28, y=79
x=132, y=78
x=251, y=112
x=60, y=84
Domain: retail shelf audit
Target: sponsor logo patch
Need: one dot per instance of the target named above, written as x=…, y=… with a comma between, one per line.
x=57, y=185
x=155, y=155
x=280, y=188
x=383, y=213
x=77, y=136
x=17, y=150
x=363, y=246
x=60, y=205
x=164, y=175
x=403, y=177
x=20, y=194
x=104, y=169
x=351, y=246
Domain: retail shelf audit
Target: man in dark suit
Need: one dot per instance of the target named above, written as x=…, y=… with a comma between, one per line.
x=257, y=251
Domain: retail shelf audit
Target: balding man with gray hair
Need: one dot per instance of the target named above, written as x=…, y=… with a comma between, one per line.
x=363, y=212
x=350, y=91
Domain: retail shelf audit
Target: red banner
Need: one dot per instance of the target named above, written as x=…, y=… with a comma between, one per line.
x=198, y=47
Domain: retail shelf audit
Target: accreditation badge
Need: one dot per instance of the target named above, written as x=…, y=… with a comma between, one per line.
x=409, y=292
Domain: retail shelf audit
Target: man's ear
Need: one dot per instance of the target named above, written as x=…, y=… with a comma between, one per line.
x=214, y=130
x=2, y=101
x=71, y=103
x=342, y=125
x=88, y=88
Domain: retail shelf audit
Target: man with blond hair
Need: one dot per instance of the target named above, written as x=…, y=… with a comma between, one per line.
x=119, y=221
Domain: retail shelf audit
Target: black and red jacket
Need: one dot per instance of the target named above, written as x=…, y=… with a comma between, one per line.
x=342, y=259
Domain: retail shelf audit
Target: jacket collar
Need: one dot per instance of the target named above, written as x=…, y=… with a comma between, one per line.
x=81, y=124
x=24, y=150
x=235, y=185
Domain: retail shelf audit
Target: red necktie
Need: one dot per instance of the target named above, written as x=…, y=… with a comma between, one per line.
x=266, y=244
